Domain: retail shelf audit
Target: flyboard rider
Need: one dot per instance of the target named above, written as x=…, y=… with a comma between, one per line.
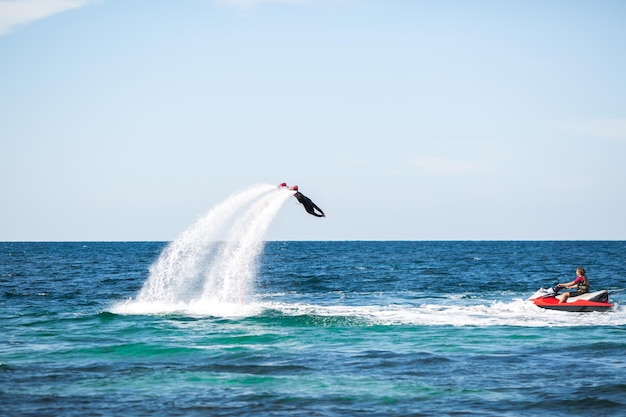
x=309, y=205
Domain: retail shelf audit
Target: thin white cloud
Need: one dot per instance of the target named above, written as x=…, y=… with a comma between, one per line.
x=252, y=3
x=600, y=128
x=462, y=157
x=570, y=184
x=449, y=166
x=19, y=12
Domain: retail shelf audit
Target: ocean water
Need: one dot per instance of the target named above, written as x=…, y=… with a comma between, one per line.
x=195, y=328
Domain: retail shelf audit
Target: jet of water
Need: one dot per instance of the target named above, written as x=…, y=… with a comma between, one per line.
x=215, y=260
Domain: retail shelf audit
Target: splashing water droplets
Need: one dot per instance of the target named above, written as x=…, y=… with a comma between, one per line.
x=213, y=264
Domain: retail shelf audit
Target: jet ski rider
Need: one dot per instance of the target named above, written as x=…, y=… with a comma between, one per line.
x=581, y=283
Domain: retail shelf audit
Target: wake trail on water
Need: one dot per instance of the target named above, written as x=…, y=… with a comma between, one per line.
x=210, y=268
x=517, y=312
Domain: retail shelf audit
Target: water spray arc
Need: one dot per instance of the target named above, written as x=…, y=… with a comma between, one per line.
x=231, y=276
x=215, y=260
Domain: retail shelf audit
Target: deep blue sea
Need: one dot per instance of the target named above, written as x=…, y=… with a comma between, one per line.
x=317, y=329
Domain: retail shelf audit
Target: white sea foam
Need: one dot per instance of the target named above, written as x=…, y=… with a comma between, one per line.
x=496, y=313
x=515, y=313
x=198, y=308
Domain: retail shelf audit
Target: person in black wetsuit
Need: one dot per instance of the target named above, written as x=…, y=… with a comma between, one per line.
x=309, y=205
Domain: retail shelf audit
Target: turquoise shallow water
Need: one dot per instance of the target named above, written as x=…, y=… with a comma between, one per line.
x=328, y=328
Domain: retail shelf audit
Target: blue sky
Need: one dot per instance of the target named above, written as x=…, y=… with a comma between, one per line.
x=410, y=120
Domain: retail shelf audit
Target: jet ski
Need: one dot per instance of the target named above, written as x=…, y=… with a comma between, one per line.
x=591, y=301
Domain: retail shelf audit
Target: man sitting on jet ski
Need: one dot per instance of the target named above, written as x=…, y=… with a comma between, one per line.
x=581, y=283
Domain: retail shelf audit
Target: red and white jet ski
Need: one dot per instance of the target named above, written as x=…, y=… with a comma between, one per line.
x=591, y=301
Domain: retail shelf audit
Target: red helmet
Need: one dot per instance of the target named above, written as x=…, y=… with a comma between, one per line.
x=282, y=184
x=294, y=188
